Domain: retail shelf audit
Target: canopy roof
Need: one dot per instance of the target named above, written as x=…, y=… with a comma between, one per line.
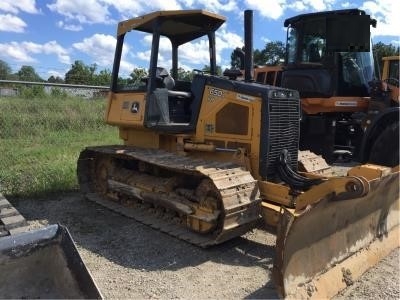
x=180, y=26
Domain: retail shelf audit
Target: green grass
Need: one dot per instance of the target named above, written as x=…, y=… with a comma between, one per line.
x=40, y=141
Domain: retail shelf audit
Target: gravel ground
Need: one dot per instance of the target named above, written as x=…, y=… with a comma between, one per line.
x=130, y=260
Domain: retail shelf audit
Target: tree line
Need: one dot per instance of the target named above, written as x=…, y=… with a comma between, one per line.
x=273, y=53
x=79, y=73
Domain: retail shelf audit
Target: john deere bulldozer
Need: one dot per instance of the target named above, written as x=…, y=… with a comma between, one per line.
x=207, y=158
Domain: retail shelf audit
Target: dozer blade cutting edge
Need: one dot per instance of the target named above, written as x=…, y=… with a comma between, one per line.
x=44, y=263
x=326, y=246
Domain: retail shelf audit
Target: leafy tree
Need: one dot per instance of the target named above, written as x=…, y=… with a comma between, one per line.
x=103, y=78
x=259, y=57
x=237, y=58
x=185, y=75
x=55, y=79
x=13, y=76
x=92, y=69
x=123, y=81
x=80, y=73
x=5, y=70
x=272, y=54
x=207, y=69
x=28, y=73
x=136, y=76
x=381, y=50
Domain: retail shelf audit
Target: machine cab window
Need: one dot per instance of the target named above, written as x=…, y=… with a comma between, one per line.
x=322, y=62
x=309, y=47
x=170, y=94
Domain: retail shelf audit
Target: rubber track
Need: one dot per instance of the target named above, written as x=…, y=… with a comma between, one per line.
x=11, y=221
x=232, y=181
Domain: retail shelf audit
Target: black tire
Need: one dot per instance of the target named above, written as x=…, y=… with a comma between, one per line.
x=385, y=150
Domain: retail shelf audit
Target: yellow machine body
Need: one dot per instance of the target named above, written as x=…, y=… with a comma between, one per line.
x=390, y=75
x=206, y=159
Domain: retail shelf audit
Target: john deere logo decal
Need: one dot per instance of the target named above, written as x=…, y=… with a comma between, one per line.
x=135, y=107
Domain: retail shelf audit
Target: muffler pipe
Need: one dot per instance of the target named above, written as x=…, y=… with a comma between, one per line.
x=248, y=45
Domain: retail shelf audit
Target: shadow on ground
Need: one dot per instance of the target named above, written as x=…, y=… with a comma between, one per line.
x=130, y=244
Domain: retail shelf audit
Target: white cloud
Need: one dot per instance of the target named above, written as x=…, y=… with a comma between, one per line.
x=314, y=5
x=273, y=10
x=143, y=55
x=395, y=42
x=214, y=5
x=265, y=39
x=195, y=53
x=126, y=68
x=318, y=5
x=48, y=48
x=99, y=47
x=191, y=55
x=57, y=73
x=88, y=11
x=228, y=40
x=23, y=52
x=386, y=13
x=98, y=11
x=13, y=6
x=15, y=52
x=11, y=23
x=133, y=8
x=297, y=6
x=347, y=5
x=69, y=27
x=164, y=54
x=187, y=3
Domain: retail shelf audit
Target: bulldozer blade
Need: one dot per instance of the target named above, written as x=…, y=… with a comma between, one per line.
x=44, y=263
x=324, y=248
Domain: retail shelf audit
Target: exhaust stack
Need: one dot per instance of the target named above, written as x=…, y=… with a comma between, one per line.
x=248, y=45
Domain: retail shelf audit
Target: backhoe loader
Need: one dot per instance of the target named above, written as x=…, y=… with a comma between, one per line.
x=206, y=159
x=42, y=263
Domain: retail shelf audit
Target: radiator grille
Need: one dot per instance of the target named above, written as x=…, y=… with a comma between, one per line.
x=280, y=130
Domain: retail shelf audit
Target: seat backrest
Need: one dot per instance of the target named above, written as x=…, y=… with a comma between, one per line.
x=169, y=82
x=166, y=78
x=314, y=54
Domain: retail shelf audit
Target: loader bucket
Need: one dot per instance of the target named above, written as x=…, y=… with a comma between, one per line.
x=324, y=248
x=44, y=263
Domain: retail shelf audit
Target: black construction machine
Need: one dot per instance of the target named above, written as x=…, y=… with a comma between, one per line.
x=348, y=114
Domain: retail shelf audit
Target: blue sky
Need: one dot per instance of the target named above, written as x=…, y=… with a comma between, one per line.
x=50, y=35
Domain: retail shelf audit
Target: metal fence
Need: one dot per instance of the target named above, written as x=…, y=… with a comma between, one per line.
x=12, y=88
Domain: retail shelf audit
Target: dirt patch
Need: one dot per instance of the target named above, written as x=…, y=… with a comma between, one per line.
x=130, y=260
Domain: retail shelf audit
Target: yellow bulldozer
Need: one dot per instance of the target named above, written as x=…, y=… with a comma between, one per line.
x=206, y=159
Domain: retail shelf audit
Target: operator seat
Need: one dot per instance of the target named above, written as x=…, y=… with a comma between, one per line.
x=169, y=83
x=314, y=54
